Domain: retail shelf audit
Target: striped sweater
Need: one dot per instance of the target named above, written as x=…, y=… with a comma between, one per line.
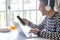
x=49, y=25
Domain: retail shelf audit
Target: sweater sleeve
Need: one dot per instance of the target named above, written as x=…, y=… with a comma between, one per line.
x=49, y=35
x=39, y=26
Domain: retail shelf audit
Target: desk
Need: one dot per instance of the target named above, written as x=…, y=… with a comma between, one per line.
x=14, y=35
x=37, y=39
x=9, y=36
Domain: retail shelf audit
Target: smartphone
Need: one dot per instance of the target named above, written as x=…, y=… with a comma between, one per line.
x=19, y=18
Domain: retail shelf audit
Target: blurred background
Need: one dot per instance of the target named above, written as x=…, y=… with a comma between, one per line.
x=28, y=9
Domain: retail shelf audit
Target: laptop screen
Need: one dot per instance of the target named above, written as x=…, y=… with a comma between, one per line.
x=24, y=30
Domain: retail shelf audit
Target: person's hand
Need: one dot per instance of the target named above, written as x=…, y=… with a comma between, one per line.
x=34, y=31
x=25, y=21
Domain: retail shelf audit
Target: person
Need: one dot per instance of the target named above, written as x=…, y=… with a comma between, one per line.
x=51, y=23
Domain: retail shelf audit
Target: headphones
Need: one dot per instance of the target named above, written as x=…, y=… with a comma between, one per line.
x=48, y=7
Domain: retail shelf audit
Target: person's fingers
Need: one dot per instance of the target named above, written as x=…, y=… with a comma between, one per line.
x=34, y=31
x=31, y=30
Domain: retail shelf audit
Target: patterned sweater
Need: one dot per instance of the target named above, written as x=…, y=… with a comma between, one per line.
x=49, y=26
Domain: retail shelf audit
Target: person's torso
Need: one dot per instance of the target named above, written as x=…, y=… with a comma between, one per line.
x=53, y=23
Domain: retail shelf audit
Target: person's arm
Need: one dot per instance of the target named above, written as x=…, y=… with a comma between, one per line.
x=30, y=24
x=39, y=26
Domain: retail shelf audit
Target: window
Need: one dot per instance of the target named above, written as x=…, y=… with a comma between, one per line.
x=26, y=9
x=2, y=13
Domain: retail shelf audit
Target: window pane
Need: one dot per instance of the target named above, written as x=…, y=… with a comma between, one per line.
x=33, y=16
x=15, y=13
x=16, y=5
x=26, y=9
x=2, y=13
x=20, y=4
x=2, y=19
x=24, y=4
x=31, y=4
x=2, y=5
x=37, y=4
x=27, y=15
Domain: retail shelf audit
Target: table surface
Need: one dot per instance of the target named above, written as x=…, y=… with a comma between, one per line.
x=17, y=34
x=14, y=35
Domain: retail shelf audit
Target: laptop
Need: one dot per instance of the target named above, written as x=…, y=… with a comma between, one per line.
x=24, y=32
